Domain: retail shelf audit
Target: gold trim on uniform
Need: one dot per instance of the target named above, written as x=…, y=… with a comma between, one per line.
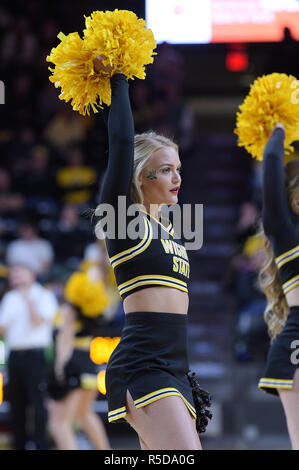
x=275, y=383
x=152, y=279
x=291, y=284
x=135, y=250
x=150, y=398
x=168, y=229
x=287, y=256
x=117, y=414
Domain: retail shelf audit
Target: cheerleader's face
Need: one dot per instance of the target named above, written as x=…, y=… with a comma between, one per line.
x=160, y=179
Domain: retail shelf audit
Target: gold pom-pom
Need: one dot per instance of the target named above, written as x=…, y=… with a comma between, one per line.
x=74, y=74
x=117, y=35
x=121, y=37
x=272, y=99
x=87, y=294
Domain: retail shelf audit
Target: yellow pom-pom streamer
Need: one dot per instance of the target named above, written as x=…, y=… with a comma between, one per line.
x=119, y=36
x=123, y=39
x=272, y=99
x=74, y=74
x=89, y=295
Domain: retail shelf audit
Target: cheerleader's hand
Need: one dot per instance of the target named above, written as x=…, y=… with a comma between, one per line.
x=100, y=67
x=280, y=126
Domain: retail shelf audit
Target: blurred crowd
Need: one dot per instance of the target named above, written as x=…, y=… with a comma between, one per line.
x=53, y=161
x=251, y=337
x=52, y=164
x=52, y=158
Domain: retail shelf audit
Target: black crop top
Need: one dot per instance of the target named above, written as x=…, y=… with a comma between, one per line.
x=279, y=220
x=156, y=257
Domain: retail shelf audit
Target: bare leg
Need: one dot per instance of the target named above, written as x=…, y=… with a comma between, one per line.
x=90, y=422
x=165, y=424
x=61, y=417
x=290, y=402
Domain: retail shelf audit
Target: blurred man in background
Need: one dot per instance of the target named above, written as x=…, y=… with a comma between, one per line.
x=26, y=315
x=31, y=249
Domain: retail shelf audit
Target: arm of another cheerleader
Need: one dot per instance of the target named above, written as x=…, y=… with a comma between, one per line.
x=277, y=216
x=64, y=341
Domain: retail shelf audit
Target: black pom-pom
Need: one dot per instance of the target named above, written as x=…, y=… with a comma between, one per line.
x=202, y=400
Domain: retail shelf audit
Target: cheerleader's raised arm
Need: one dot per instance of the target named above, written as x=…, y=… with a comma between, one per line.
x=278, y=219
x=119, y=173
x=279, y=278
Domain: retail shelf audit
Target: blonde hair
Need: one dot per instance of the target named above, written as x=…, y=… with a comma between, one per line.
x=145, y=145
x=277, y=309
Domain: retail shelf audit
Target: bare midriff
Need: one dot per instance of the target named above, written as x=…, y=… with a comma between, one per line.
x=157, y=299
x=292, y=297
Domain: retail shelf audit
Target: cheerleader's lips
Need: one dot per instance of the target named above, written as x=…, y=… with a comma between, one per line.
x=175, y=190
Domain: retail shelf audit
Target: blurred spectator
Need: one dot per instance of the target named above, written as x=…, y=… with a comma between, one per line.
x=168, y=66
x=31, y=250
x=19, y=44
x=11, y=203
x=159, y=110
x=141, y=106
x=72, y=383
x=76, y=181
x=11, y=206
x=37, y=182
x=66, y=127
x=257, y=182
x=5, y=18
x=180, y=115
x=26, y=313
x=245, y=227
x=48, y=103
x=251, y=330
x=48, y=33
x=248, y=266
x=248, y=219
x=4, y=270
x=23, y=87
x=21, y=146
x=69, y=236
x=95, y=254
x=22, y=98
x=36, y=11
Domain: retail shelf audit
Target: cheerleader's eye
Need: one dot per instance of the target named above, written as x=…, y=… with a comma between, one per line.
x=166, y=170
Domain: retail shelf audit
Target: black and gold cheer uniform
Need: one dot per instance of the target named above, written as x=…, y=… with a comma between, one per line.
x=79, y=371
x=159, y=258
x=151, y=360
x=280, y=227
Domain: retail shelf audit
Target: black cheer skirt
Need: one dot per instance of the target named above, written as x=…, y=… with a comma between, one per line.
x=151, y=361
x=283, y=357
x=79, y=372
